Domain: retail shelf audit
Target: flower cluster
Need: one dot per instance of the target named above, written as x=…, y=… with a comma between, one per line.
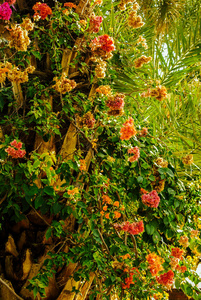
x=106, y=200
x=161, y=162
x=128, y=130
x=11, y=2
x=100, y=68
x=14, y=150
x=42, y=10
x=140, y=61
x=104, y=90
x=136, y=152
x=19, y=38
x=64, y=85
x=70, y=5
x=129, y=280
x=88, y=120
x=103, y=42
x=181, y=269
x=5, y=11
x=155, y=263
x=83, y=166
x=18, y=76
x=194, y=233
x=158, y=184
x=166, y=279
x=123, y=3
x=142, y=41
x=95, y=23
x=188, y=159
x=174, y=262
x=160, y=92
x=98, y=2
x=177, y=252
x=27, y=24
x=73, y=191
x=152, y=199
x=143, y=132
x=132, y=228
x=184, y=241
x=116, y=102
x=3, y=72
x=134, y=20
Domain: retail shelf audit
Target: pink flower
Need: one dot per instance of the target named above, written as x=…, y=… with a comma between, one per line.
x=132, y=228
x=116, y=102
x=136, y=152
x=104, y=42
x=5, y=11
x=16, y=144
x=152, y=199
x=95, y=23
x=15, y=151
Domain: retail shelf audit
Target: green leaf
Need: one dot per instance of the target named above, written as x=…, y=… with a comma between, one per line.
x=170, y=173
x=140, y=179
x=156, y=237
x=48, y=233
x=36, y=54
x=149, y=229
x=49, y=190
x=171, y=191
x=177, y=284
x=152, y=178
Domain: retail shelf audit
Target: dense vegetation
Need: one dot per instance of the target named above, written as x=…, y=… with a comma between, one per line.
x=100, y=129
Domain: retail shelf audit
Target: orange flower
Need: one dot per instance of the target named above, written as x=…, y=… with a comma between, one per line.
x=184, y=241
x=155, y=263
x=70, y=5
x=116, y=203
x=142, y=191
x=117, y=214
x=102, y=212
x=107, y=216
x=126, y=256
x=42, y=10
x=83, y=166
x=128, y=130
x=122, y=208
x=105, y=207
x=73, y=192
x=176, y=252
x=107, y=199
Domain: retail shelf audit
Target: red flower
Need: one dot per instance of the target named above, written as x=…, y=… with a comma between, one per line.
x=166, y=279
x=152, y=199
x=176, y=252
x=42, y=10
